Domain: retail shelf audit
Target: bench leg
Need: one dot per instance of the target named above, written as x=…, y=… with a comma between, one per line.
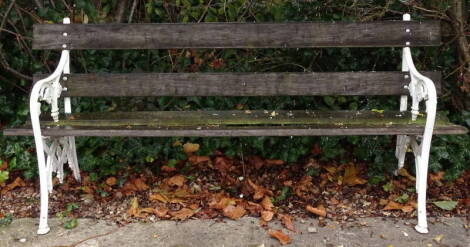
x=43, y=169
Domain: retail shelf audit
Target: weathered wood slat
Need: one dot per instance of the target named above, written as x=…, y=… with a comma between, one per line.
x=236, y=35
x=239, y=84
x=240, y=123
x=334, y=119
x=235, y=131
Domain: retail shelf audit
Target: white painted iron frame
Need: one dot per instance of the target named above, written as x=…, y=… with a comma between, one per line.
x=421, y=88
x=62, y=149
x=52, y=152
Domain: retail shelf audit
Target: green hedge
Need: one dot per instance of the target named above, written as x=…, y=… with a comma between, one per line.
x=105, y=156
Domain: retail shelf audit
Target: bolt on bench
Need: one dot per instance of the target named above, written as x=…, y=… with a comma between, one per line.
x=54, y=137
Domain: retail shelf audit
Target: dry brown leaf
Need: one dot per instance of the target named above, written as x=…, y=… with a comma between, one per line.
x=351, y=178
x=194, y=159
x=256, y=161
x=407, y=209
x=279, y=235
x=140, y=184
x=305, y=188
x=274, y=162
x=18, y=182
x=391, y=205
x=383, y=202
x=168, y=169
x=287, y=222
x=254, y=208
x=320, y=210
x=190, y=147
x=182, y=214
x=331, y=169
x=267, y=215
x=267, y=204
x=158, y=197
x=161, y=212
x=134, y=207
x=260, y=191
x=404, y=173
x=177, y=180
x=222, y=164
x=222, y=203
x=234, y=212
x=111, y=181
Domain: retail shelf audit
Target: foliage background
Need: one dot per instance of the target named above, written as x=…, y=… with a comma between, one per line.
x=105, y=156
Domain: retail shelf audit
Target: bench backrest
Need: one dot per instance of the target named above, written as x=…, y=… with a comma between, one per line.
x=237, y=35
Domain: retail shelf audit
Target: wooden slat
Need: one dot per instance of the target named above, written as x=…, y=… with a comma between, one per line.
x=236, y=35
x=234, y=131
x=241, y=118
x=240, y=123
x=238, y=84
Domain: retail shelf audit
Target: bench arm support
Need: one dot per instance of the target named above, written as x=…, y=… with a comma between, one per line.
x=421, y=88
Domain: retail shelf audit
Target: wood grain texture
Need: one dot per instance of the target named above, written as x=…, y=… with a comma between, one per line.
x=236, y=35
x=239, y=84
x=333, y=119
x=239, y=123
x=233, y=131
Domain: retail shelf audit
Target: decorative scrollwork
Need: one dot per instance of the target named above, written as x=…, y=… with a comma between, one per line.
x=60, y=150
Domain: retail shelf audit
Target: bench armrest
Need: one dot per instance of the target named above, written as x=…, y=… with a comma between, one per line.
x=49, y=89
x=421, y=88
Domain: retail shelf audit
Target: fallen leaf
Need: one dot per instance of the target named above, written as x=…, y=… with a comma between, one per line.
x=194, y=159
x=140, y=184
x=190, y=147
x=404, y=173
x=446, y=205
x=177, y=180
x=182, y=214
x=18, y=182
x=267, y=215
x=111, y=181
x=134, y=207
x=305, y=189
x=160, y=212
x=351, y=176
x=260, y=191
x=221, y=203
x=320, y=210
x=437, y=177
x=279, y=235
x=287, y=222
x=158, y=197
x=168, y=169
x=234, y=212
x=438, y=238
x=222, y=164
x=391, y=205
x=134, y=185
x=274, y=162
x=267, y=204
x=256, y=161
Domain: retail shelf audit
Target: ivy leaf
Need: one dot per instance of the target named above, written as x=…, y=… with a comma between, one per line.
x=3, y=176
x=5, y=219
x=70, y=224
x=446, y=205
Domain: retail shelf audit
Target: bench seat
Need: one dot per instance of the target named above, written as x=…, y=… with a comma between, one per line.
x=239, y=123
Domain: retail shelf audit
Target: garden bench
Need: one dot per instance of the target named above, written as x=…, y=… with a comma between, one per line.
x=54, y=136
